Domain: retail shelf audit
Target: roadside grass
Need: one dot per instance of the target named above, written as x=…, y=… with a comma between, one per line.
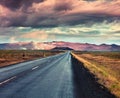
x=106, y=73
x=109, y=54
x=8, y=57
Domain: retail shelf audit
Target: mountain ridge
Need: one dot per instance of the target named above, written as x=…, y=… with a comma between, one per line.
x=51, y=45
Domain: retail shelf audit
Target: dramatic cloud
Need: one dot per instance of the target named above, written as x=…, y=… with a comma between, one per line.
x=94, y=21
x=16, y=4
x=97, y=33
x=65, y=5
x=52, y=13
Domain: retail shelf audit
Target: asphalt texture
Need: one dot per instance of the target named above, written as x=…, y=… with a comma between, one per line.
x=59, y=76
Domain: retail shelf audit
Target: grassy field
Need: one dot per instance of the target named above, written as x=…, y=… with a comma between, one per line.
x=105, y=66
x=8, y=57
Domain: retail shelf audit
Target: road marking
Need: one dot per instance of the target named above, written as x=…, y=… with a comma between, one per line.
x=35, y=68
x=1, y=83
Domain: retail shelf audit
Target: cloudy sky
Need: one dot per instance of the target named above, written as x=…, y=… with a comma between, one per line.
x=85, y=21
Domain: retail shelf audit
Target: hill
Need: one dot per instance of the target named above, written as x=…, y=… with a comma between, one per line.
x=51, y=45
x=62, y=48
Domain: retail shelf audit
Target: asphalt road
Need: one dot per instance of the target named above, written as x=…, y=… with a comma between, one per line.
x=59, y=76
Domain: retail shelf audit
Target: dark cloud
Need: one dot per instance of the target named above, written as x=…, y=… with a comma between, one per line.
x=90, y=0
x=97, y=0
x=88, y=19
x=53, y=13
x=47, y=21
x=63, y=6
x=15, y=4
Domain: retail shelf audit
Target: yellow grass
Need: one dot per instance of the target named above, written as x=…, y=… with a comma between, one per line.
x=104, y=77
x=8, y=57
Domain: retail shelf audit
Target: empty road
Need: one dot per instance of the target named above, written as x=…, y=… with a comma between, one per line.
x=59, y=76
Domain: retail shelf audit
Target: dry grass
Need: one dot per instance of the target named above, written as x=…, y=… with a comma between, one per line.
x=8, y=57
x=106, y=69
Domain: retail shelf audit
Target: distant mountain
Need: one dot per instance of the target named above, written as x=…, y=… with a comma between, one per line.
x=54, y=44
x=62, y=48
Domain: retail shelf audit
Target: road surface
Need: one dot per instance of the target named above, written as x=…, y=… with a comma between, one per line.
x=59, y=76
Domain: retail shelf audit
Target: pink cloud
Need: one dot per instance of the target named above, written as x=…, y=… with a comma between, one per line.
x=55, y=13
x=38, y=35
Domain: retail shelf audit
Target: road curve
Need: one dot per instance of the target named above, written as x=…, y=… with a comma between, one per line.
x=59, y=76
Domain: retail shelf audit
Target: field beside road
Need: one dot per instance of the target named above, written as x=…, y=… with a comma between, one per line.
x=105, y=66
x=8, y=57
x=59, y=76
x=80, y=75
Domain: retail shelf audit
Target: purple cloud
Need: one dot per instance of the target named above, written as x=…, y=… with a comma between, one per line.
x=51, y=13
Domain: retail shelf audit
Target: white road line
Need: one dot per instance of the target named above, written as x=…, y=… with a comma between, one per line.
x=7, y=80
x=35, y=68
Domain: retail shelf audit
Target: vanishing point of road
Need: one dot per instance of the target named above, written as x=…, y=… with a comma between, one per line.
x=59, y=76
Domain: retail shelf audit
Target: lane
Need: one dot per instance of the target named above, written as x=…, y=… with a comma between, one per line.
x=60, y=76
x=38, y=82
x=10, y=71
